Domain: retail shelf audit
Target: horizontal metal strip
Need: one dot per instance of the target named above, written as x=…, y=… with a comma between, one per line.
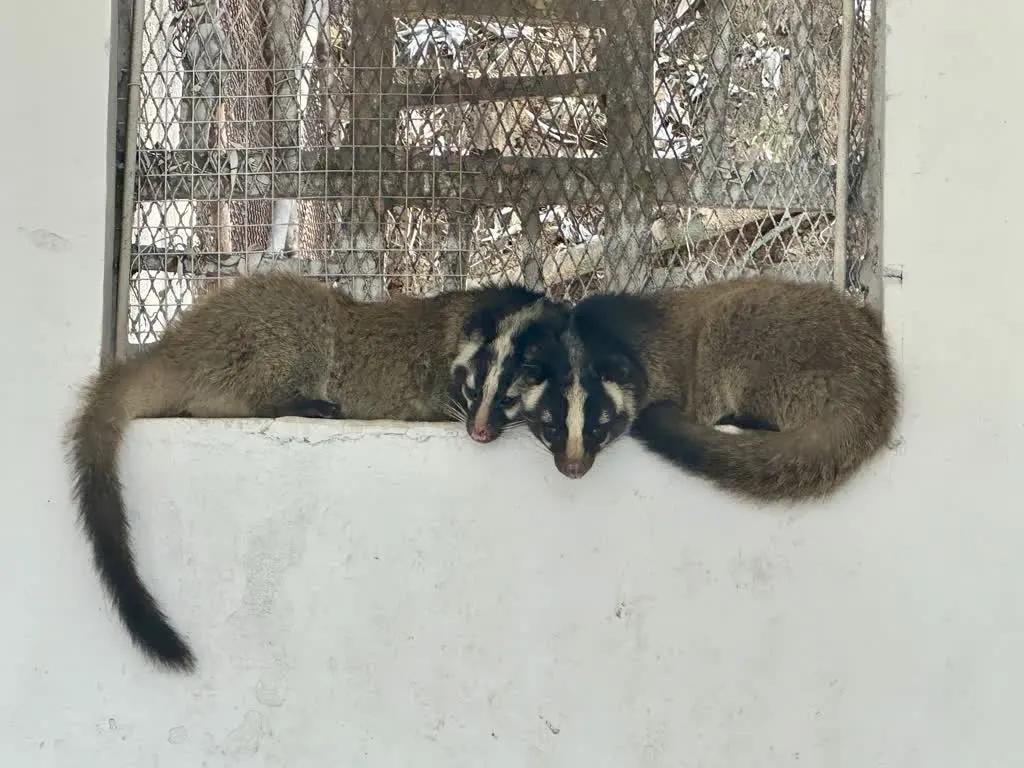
x=418, y=178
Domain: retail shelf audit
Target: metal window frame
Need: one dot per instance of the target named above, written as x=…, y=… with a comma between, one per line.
x=863, y=271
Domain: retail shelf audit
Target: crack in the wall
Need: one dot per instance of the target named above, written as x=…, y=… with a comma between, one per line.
x=288, y=431
x=418, y=433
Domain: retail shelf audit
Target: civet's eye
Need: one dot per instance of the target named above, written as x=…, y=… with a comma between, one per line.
x=470, y=393
x=508, y=401
x=533, y=376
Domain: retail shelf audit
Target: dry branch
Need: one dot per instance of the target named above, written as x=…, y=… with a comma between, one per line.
x=206, y=54
x=568, y=263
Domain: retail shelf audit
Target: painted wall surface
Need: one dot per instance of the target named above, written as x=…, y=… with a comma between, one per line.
x=397, y=596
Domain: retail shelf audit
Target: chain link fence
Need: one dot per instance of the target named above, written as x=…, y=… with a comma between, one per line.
x=413, y=146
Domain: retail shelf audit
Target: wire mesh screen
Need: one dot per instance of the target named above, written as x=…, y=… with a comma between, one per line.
x=414, y=146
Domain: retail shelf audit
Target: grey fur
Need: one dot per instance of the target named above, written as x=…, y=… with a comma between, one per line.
x=670, y=366
x=265, y=346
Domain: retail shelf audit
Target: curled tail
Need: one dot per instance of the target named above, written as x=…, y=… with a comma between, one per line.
x=796, y=464
x=120, y=393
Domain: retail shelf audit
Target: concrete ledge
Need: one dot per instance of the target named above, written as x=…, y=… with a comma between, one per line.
x=464, y=604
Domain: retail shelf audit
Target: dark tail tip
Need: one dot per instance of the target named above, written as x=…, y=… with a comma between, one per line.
x=93, y=440
x=102, y=509
x=166, y=647
x=146, y=623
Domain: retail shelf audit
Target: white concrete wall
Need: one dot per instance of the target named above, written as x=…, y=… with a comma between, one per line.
x=366, y=597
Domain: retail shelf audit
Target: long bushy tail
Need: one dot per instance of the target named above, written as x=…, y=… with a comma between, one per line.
x=798, y=464
x=120, y=393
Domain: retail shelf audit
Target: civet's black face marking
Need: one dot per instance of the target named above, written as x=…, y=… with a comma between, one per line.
x=575, y=410
x=486, y=374
x=484, y=388
x=580, y=396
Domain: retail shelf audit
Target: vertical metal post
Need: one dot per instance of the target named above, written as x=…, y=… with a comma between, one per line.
x=533, y=266
x=805, y=121
x=707, y=182
x=371, y=60
x=628, y=206
x=454, y=250
x=869, y=276
x=839, y=265
x=131, y=135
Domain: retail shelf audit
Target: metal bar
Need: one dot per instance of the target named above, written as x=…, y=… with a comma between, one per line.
x=453, y=253
x=680, y=277
x=708, y=181
x=333, y=130
x=285, y=111
x=128, y=185
x=839, y=265
x=587, y=12
x=549, y=269
x=870, y=274
x=121, y=75
x=249, y=174
x=533, y=255
x=806, y=118
x=470, y=90
x=629, y=64
x=371, y=60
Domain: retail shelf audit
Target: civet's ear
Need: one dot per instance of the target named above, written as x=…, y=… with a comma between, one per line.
x=544, y=356
x=481, y=325
x=615, y=368
x=555, y=317
x=534, y=369
x=493, y=305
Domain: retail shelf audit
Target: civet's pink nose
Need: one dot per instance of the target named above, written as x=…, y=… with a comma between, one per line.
x=482, y=434
x=575, y=468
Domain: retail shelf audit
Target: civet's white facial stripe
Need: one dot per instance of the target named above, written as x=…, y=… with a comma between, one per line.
x=502, y=347
x=466, y=352
x=532, y=396
x=615, y=394
x=622, y=397
x=513, y=323
x=628, y=403
x=576, y=398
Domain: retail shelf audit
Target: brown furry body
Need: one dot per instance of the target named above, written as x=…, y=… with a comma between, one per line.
x=266, y=346
x=269, y=340
x=804, y=370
